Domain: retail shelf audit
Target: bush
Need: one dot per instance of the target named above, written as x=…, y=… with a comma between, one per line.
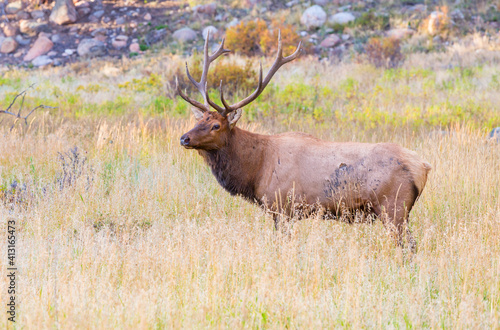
x=384, y=52
x=254, y=38
x=235, y=78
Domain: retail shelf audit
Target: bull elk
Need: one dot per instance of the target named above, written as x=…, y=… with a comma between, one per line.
x=293, y=174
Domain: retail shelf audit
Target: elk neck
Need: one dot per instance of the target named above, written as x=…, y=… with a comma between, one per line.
x=238, y=165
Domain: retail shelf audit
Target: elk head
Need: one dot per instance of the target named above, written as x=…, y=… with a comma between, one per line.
x=213, y=128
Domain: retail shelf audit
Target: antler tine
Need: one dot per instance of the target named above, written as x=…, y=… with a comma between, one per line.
x=278, y=62
x=194, y=103
x=213, y=104
x=202, y=84
x=226, y=105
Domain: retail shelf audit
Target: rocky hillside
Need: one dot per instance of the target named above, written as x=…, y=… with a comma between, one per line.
x=37, y=34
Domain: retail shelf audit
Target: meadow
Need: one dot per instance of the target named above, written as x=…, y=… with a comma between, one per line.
x=119, y=227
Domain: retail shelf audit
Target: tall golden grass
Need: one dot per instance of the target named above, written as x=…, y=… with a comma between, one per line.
x=154, y=242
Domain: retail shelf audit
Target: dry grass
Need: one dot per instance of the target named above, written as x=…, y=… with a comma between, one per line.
x=146, y=238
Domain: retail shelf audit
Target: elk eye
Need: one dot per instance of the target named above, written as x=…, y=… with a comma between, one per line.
x=215, y=127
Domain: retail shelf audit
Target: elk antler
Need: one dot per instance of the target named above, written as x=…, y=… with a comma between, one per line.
x=202, y=84
x=280, y=60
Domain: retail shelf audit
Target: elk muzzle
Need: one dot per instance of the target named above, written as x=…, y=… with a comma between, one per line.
x=185, y=140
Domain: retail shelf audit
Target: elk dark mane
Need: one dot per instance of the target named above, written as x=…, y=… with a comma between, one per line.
x=228, y=167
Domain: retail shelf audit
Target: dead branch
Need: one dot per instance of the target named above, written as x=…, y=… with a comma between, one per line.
x=18, y=116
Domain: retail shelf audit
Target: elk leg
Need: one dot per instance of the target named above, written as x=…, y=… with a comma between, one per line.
x=395, y=217
x=282, y=224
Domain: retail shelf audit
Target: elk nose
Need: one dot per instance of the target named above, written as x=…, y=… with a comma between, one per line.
x=185, y=140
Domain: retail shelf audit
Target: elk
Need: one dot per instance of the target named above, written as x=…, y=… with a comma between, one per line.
x=294, y=174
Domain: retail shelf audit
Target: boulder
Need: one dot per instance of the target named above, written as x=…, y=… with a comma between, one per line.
x=494, y=135
x=209, y=29
x=64, y=12
x=84, y=11
x=120, y=42
x=41, y=46
x=341, y=18
x=14, y=7
x=313, y=17
x=134, y=47
x=56, y=38
x=98, y=13
x=24, y=42
x=22, y=15
x=36, y=14
x=331, y=40
x=120, y=21
x=9, y=30
x=42, y=60
x=184, y=35
x=400, y=34
x=32, y=28
x=9, y=45
x=208, y=9
x=91, y=48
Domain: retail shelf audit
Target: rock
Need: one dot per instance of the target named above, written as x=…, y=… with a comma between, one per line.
x=313, y=17
x=9, y=45
x=14, y=7
x=41, y=46
x=36, y=14
x=494, y=135
x=184, y=35
x=56, y=38
x=22, y=15
x=331, y=41
x=83, y=11
x=2, y=38
x=42, y=60
x=147, y=17
x=233, y=22
x=64, y=12
x=133, y=24
x=24, y=42
x=33, y=28
x=209, y=29
x=120, y=42
x=122, y=37
x=9, y=30
x=417, y=9
x=69, y=51
x=134, y=47
x=106, y=19
x=101, y=38
x=99, y=31
x=120, y=21
x=98, y=13
x=400, y=34
x=321, y=2
x=435, y=22
x=91, y=48
x=52, y=53
x=457, y=15
x=208, y=9
x=82, y=4
x=342, y=18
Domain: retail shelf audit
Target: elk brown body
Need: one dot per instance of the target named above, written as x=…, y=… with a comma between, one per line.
x=292, y=174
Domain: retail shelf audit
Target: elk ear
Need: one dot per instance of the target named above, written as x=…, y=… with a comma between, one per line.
x=198, y=114
x=233, y=117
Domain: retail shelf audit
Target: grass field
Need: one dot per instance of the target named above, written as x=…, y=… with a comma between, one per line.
x=131, y=230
